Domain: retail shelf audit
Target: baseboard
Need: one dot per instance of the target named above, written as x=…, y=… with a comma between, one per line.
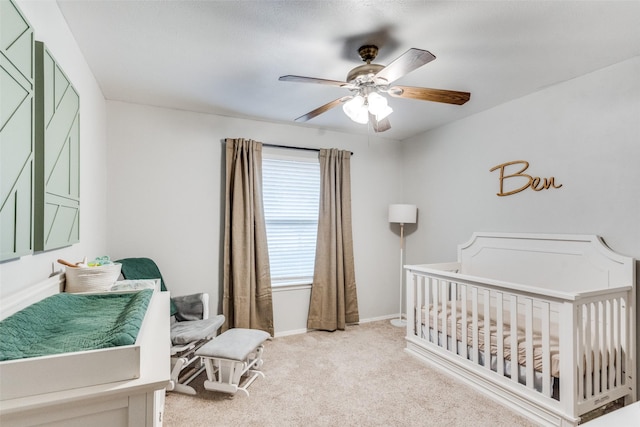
x=291, y=332
x=375, y=319
x=305, y=330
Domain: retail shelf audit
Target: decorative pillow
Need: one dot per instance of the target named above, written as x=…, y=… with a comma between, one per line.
x=136, y=285
x=189, y=307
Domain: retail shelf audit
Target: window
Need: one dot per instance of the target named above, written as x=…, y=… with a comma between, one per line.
x=291, y=192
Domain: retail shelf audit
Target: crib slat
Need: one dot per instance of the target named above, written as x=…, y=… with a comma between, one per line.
x=474, y=322
x=588, y=349
x=529, y=341
x=464, y=311
x=595, y=331
x=443, y=317
x=546, y=351
x=625, y=334
x=500, y=332
x=487, y=329
x=601, y=367
x=454, y=315
x=434, y=315
x=580, y=347
x=607, y=370
x=427, y=304
x=514, y=337
x=418, y=283
x=602, y=348
x=616, y=340
x=627, y=331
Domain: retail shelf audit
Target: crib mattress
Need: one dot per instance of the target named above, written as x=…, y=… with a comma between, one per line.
x=506, y=338
x=64, y=323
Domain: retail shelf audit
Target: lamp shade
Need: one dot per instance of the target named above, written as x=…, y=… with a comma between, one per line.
x=403, y=214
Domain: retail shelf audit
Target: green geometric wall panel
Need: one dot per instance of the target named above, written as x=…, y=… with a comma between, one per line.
x=16, y=133
x=57, y=155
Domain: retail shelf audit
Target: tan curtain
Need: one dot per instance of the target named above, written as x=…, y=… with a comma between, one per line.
x=334, y=302
x=247, y=301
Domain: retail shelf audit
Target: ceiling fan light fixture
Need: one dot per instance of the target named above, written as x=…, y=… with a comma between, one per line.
x=356, y=109
x=378, y=106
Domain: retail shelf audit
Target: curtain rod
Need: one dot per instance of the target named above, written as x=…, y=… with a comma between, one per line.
x=290, y=147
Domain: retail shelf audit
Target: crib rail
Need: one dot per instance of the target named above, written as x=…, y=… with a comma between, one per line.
x=526, y=339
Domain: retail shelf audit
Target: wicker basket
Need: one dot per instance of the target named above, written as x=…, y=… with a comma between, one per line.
x=91, y=279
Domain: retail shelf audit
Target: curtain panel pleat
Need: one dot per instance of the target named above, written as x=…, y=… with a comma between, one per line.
x=247, y=299
x=334, y=301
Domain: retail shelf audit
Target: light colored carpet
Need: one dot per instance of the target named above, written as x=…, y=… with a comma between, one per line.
x=357, y=377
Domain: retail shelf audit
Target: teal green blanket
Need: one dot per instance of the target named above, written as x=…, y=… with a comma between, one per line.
x=65, y=323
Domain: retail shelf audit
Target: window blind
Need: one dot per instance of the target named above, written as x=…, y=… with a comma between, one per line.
x=291, y=192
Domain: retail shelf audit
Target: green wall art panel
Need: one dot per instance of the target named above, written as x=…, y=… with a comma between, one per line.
x=16, y=132
x=57, y=155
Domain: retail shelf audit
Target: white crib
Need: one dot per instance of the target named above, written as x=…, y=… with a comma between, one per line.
x=570, y=302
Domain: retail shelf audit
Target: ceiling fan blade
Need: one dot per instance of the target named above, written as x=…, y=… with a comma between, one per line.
x=379, y=125
x=404, y=64
x=302, y=79
x=426, y=94
x=322, y=109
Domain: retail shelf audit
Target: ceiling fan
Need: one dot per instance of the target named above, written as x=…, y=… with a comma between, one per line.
x=368, y=82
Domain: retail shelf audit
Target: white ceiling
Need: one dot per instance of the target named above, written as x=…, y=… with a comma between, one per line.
x=225, y=57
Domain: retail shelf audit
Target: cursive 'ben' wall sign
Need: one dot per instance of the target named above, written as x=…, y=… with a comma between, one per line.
x=533, y=182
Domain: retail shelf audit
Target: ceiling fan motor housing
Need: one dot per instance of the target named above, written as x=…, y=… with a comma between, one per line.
x=364, y=73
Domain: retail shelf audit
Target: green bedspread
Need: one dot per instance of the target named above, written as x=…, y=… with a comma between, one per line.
x=65, y=323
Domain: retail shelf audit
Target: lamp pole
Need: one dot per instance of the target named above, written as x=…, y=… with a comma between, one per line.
x=399, y=322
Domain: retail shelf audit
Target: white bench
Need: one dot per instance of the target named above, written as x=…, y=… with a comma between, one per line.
x=232, y=357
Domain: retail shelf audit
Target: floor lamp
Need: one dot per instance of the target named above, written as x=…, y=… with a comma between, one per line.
x=402, y=214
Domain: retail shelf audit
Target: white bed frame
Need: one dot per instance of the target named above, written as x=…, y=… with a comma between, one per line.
x=570, y=283
x=121, y=386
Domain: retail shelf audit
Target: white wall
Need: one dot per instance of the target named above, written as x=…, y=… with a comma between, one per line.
x=166, y=201
x=585, y=132
x=50, y=27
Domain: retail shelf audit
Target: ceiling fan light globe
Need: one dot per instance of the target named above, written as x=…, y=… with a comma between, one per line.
x=376, y=102
x=355, y=109
x=362, y=116
x=352, y=105
x=378, y=106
